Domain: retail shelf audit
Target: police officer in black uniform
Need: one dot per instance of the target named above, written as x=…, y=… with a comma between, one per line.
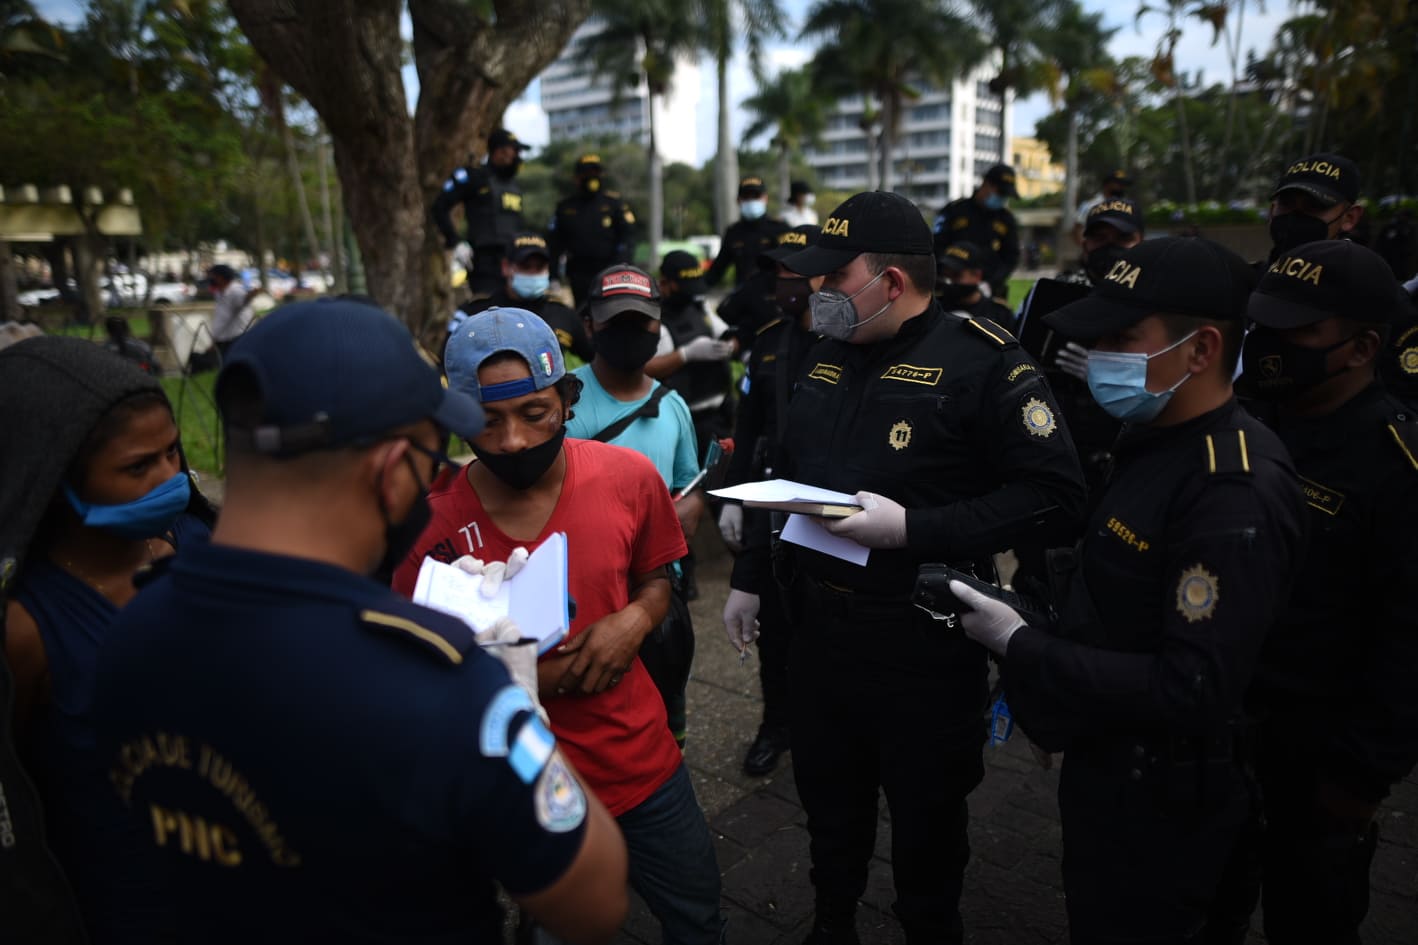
x=983, y=220
x=949, y=437
x=1317, y=198
x=492, y=210
x=752, y=233
x=527, y=271
x=754, y=302
x=1187, y=560
x=1398, y=363
x=960, y=268
x=703, y=380
x=1334, y=692
x=754, y=604
x=591, y=227
x=320, y=759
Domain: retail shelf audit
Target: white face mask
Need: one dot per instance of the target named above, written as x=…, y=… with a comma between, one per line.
x=809, y=199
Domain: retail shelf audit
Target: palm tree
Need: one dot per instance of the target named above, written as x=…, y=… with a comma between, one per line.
x=1075, y=67
x=787, y=105
x=639, y=41
x=883, y=49
x=721, y=23
x=1015, y=28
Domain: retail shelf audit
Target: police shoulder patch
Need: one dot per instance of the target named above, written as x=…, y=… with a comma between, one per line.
x=1038, y=418
x=1227, y=453
x=558, y=800
x=448, y=639
x=1403, y=429
x=1198, y=591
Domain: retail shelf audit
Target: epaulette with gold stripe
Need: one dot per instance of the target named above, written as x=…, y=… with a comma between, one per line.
x=997, y=335
x=450, y=645
x=1227, y=453
x=1404, y=431
x=773, y=323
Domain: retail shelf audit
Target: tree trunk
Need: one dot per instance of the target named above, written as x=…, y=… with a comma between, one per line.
x=9, y=286
x=726, y=168
x=88, y=262
x=1064, y=237
x=345, y=58
x=1188, y=174
x=784, y=170
x=888, y=142
x=307, y=221
x=335, y=269
x=656, y=223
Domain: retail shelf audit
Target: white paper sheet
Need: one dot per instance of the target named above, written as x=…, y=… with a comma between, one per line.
x=536, y=598
x=783, y=490
x=809, y=532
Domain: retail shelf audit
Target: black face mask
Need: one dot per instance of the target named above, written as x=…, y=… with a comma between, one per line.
x=523, y=469
x=1273, y=368
x=507, y=171
x=791, y=294
x=625, y=348
x=955, y=293
x=1290, y=230
x=1099, y=262
x=399, y=538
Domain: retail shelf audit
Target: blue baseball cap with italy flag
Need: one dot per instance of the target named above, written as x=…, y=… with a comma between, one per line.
x=496, y=330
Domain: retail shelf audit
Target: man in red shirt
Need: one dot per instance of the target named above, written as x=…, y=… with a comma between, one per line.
x=529, y=482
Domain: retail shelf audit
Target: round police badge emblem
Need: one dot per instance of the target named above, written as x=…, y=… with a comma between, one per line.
x=1197, y=593
x=559, y=801
x=900, y=435
x=1408, y=360
x=1038, y=418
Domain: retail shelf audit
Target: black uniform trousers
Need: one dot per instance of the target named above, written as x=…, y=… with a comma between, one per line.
x=1315, y=863
x=1148, y=833
x=486, y=278
x=884, y=698
x=775, y=637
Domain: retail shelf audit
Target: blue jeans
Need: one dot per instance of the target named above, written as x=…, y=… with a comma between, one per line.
x=672, y=862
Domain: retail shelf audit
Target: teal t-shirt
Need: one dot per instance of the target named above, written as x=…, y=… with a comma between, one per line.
x=666, y=440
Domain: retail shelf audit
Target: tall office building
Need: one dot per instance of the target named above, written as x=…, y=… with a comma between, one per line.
x=582, y=104
x=948, y=139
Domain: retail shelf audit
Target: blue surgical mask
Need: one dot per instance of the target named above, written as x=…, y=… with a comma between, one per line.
x=529, y=286
x=148, y=517
x=994, y=202
x=753, y=209
x=1118, y=381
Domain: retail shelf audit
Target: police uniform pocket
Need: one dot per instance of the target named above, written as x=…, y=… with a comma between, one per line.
x=905, y=433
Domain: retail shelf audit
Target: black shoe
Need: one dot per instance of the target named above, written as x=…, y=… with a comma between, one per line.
x=835, y=931
x=763, y=754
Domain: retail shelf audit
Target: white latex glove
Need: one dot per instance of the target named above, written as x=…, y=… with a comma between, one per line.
x=731, y=525
x=499, y=640
x=741, y=618
x=493, y=572
x=988, y=622
x=706, y=349
x=1072, y=359
x=880, y=524
x=463, y=255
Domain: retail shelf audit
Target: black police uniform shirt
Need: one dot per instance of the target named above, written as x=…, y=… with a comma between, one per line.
x=966, y=219
x=951, y=419
x=1185, y=563
x=776, y=358
x=986, y=308
x=317, y=759
x=751, y=305
x=742, y=244
x=1339, y=672
x=591, y=229
x=702, y=384
x=492, y=208
x=570, y=330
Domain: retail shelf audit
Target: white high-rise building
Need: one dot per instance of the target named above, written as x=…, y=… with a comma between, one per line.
x=581, y=104
x=948, y=139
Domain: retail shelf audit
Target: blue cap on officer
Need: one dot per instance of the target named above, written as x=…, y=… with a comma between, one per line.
x=337, y=372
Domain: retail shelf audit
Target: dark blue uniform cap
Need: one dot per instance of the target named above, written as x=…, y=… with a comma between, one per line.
x=1328, y=279
x=873, y=221
x=335, y=372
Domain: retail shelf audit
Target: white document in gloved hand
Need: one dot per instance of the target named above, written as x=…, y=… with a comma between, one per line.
x=536, y=597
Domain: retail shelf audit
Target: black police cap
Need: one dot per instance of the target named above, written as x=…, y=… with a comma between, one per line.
x=1175, y=275
x=870, y=222
x=1329, y=178
x=1327, y=279
x=1002, y=176
x=1120, y=213
x=962, y=254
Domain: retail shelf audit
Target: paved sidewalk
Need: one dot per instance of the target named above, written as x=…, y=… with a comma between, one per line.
x=1013, y=890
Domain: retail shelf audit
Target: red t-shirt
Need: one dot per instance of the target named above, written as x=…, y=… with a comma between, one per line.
x=618, y=520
